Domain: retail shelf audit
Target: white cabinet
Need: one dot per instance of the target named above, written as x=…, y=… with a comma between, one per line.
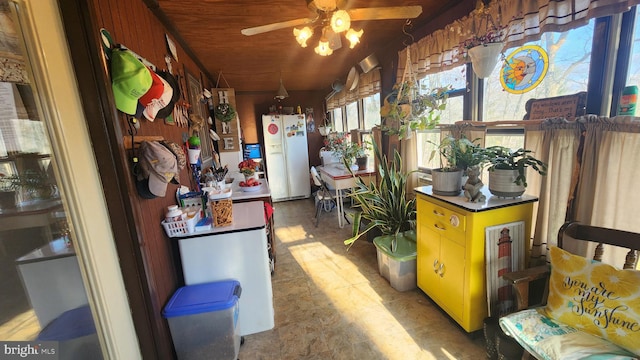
x=239, y=252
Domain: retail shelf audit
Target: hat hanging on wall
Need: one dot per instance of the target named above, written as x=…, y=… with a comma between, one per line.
x=157, y=167
x=173, y=82
x=130, y=79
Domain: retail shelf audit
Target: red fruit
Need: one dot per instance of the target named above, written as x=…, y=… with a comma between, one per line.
x=242, y=183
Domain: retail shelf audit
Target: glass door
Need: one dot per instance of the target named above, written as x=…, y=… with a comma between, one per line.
x=62, y=286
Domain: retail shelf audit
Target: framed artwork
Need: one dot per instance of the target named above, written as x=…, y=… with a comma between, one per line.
x=194, y=89
x=504, y=252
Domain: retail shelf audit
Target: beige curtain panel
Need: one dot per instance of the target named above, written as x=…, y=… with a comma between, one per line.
x=525, y=20
x=368, y=84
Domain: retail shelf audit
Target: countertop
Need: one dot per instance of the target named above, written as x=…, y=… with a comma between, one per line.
x=246, y=216
x=492, y=201
x=53, y=250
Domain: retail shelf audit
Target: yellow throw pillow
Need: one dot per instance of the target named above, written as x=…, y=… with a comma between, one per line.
x=596, y=298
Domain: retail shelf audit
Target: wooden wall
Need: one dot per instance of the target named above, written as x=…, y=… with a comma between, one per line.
x=132, y=24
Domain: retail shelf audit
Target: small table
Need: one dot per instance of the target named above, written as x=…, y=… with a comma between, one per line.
x=340, y=179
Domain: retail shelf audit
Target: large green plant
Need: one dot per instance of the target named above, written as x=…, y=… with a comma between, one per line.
x=460, y=154
x=406, y=109
x=503, y=158
x=383, y=205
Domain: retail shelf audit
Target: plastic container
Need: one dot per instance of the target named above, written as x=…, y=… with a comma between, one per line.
x=75, y=333
x=628, y=101
x=203, y=320
x=173, y=214
x=399, y=267
x=181, y=227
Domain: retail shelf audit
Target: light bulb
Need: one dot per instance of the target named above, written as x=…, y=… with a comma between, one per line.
x=323, y=48
x=353, y=37
x=302, y=35
x=340, y=21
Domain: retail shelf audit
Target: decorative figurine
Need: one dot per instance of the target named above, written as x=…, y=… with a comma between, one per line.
x=473, y=185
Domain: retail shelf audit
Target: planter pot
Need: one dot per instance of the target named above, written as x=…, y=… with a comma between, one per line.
x=252, y=176
x=446, y=183
x=398, y=267
x=324, y=131
x=362, y=163
x=484, y=58
x=328, y=157
x=502, y=183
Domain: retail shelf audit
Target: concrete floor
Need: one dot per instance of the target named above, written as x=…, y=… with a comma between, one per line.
x=333, y=304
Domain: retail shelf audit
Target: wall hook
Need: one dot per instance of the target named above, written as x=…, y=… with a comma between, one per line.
x=408, y=25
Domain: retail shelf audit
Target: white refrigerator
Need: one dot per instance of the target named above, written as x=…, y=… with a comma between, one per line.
x=287, y=156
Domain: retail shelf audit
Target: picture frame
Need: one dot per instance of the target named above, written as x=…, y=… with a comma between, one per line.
x=194, y=90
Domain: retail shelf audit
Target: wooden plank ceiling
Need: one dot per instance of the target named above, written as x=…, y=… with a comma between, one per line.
x=211, y=29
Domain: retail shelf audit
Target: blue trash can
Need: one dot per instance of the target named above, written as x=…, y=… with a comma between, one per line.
x=75, y=333
x=203, y=320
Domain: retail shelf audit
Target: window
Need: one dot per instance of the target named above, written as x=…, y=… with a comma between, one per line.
x=633, y=77
x=426, y=140
x=569, y=55
x=371, y=107
x=337, y=120
x=352, y=116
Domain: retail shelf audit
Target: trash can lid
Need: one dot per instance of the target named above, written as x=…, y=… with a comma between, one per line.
x=202, y=298
x=69, y=325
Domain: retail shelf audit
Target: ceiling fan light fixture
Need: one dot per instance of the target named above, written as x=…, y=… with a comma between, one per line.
x=325, y=5
x=353, y=37
x=323, y=48
x=340, y=21
x=302, y=35
x=282, y=92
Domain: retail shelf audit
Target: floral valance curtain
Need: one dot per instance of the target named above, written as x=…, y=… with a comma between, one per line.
x=525, y=21
x=368, y=84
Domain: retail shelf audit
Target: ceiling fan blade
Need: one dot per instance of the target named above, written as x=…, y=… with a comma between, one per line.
x=276, y=26
x=384, y=13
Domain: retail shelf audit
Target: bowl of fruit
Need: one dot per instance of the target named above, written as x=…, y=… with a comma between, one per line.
x=250, y=184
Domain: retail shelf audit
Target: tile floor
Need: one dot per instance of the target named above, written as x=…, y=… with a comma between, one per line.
x=333, y=304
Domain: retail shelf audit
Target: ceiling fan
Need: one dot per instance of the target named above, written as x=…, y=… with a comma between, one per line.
x=332, y=16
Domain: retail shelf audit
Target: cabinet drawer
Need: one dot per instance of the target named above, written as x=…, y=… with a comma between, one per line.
x=453, y=220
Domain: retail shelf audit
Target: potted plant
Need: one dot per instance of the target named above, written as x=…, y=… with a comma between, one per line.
x=384, y=206
x=483, y=50
x=459, y=154
x=508, y=170
x=361, y=155
x=342, y=150
x=248, y=168
x=406, y=109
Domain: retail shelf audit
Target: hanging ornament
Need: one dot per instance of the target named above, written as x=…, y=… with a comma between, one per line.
x=524, y=69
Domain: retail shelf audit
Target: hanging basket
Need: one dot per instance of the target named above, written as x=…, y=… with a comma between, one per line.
x=484, y=58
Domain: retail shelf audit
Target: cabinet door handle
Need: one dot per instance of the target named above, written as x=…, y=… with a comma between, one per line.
x=438, y=213
x=438, y=226
x=441, y=270
x=435, y=266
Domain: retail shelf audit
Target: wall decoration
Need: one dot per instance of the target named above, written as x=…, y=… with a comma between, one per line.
x=311, y=124
x=194, y=88
x=504, y=253
x=524, y=69
x=226, y=117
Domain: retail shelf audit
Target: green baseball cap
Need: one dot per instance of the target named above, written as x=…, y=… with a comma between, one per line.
x=130, y=79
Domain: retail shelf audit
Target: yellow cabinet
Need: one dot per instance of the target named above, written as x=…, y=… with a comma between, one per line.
x=451, y=246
